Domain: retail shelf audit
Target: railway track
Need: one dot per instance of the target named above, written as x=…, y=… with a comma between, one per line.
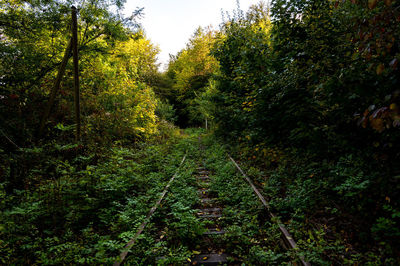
x=210, y=246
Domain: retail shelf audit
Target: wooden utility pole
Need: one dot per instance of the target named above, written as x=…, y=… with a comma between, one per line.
x=55, y=88
x=76, y=72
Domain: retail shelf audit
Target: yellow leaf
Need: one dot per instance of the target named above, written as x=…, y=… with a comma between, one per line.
x=205, y=258
x=195, y=252
x=380, y=69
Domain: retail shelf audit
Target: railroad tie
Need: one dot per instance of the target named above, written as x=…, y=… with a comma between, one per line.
x=204, y=178
x=211, y=212
x=214, y=231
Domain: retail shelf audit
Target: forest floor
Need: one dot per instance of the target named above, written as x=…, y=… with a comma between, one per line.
x=210, y=213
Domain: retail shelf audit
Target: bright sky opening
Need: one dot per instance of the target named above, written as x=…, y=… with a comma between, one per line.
x=170, y=23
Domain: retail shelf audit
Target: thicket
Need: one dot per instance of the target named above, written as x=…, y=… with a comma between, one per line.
x=84, y=210
x=117, y=70
x=189, y=74
x=310, y=91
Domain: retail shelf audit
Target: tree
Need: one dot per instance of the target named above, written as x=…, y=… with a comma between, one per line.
x=118, y=101
x=243, y=52
x=190, y=71
x=34, y=35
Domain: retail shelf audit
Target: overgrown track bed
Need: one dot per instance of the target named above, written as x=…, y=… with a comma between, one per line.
x=146, y=221
x=253, y=236
x=211, y=216
x=210, y=211
x=287, y=238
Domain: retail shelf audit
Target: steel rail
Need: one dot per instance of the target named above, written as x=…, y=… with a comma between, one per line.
x=287, y=238
x=131, y=242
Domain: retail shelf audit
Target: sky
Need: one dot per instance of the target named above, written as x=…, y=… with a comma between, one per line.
x=170, y=23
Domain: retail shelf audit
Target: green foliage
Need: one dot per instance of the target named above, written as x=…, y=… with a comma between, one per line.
x=303, y=79
x=242, y=50
x=34, y=37
x=166, y=111
x=249, y=235
x=354, y=181
x=83, y=209
x=190, y=71
x=202, y=107
x=258, y=255
x=119, y=102
x=307, y=91
x=117, y=65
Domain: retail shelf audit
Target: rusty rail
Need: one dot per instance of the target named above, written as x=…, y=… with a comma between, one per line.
x=286, y=237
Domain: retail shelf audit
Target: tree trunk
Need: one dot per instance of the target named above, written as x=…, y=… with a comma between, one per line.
x=76, y=73
x=55, y=88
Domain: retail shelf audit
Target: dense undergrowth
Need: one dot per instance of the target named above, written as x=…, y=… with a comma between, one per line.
x=83, y=209
x=307, y=92
x=329, y=206
x=170, y=237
